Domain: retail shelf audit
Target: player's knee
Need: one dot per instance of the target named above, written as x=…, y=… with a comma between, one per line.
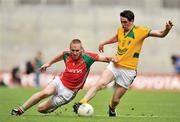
x=41, y=109
x=100, y=86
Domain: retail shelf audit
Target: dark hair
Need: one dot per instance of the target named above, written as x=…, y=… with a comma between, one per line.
x=128, y=14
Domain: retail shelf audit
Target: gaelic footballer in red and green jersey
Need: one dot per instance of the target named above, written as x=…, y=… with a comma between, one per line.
x=76, y=71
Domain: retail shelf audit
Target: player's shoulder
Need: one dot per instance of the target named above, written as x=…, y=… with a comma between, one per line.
x=89, y=53
x=66, y=52
x=141, y=27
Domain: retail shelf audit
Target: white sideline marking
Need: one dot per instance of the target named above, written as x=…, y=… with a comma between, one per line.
x=135, y=116
x=96, y=115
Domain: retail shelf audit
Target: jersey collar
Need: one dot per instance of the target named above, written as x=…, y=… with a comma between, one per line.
x=130, y=33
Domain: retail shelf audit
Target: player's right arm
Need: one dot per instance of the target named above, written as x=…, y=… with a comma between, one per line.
x=54, y=60
x=114, y=39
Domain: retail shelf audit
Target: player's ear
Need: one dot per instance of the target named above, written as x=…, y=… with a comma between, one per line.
x=82, y=48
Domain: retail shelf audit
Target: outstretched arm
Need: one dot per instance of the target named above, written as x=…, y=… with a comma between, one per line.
x=110, y=41
x=108, y=59
x=54, y=60
x=162, y=33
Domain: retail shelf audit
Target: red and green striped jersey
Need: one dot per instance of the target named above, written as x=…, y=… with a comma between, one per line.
x=76, y=71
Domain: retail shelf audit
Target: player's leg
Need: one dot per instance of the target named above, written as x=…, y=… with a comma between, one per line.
x=106, y=77
x=123, y=80
x=118, y=93
x=46, y=107
x=49, y=90
x=34, y=99
x=63, y=96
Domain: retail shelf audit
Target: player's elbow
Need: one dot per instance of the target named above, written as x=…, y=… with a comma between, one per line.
x=162, y=36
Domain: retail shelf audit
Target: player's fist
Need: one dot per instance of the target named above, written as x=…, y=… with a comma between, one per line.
x=44, y=67
x=101, y=47
x=169, y=25
x=115, y=59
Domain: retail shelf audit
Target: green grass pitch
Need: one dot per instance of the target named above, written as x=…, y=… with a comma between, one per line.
x=135, y=106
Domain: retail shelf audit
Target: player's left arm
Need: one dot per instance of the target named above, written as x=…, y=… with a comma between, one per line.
x=107, y=59
x=161, y=33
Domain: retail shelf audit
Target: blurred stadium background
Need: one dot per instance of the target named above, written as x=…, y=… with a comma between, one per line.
x=48, y=25
x=27, y=26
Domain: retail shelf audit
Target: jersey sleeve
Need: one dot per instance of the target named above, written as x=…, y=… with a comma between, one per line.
x=145, y=30
x=65, y=55
x=95, y=56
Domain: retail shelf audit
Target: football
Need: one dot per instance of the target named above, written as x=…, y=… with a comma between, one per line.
x=85, y=110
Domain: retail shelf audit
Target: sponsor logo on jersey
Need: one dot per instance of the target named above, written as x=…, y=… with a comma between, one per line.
x=121, y=51
x=74, y=70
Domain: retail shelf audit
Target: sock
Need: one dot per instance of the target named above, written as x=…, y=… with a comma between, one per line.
x=22, y=109
x=113, y=109
x=83, y=100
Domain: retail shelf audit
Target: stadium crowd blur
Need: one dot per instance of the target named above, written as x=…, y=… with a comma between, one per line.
x=176, y=63
x=31, y=66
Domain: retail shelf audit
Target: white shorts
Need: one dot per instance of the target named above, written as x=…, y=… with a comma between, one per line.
x=123, y=77
x=63, y=94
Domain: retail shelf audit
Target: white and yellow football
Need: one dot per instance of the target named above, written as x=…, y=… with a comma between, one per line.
x=86, y=110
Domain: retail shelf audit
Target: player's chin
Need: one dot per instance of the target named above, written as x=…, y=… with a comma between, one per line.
x=75, y=57
x=125, y=28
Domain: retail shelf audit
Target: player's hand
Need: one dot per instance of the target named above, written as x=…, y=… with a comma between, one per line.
x=44, y=67
x=101, y=47
x=169, y=25
x=115, y=59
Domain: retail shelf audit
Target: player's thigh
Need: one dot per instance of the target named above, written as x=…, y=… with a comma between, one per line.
x=63, y=96
x=50, y=89
x=106, y=77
